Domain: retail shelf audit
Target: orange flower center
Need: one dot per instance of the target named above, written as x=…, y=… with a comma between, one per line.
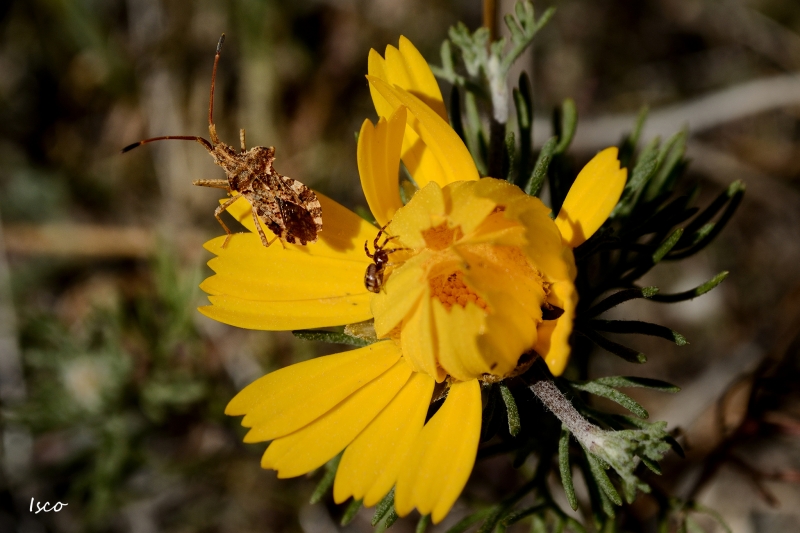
x=451, y=290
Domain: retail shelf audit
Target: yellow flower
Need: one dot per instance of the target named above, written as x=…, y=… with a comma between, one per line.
x=463, y=301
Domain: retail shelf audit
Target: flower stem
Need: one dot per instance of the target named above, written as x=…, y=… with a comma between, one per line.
x=490, y=18
x=554, y=399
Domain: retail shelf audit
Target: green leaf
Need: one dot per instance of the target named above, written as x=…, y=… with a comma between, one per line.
x=665, y=218
x=466, y=522
x=539, y=174
x=523, y=29
x=645, y=168
x=332, y=337
x=618, y=298
x=511, y=409
x=713, y=514
x=476, y=137
x=447, y=71
x=675, y=445
x=638, y=327
x=524, y=106
x=708, y=233
x=391, y=518
x=538, y=525
x=516, y=32
x=516, y=516
x=701, y=220
x=598, y=389
x=350, y=512
x=564, y=468
x=652, y=465
x=326, y=482
x=383, y=507
x=491, y=519
x=632, y=381
x=669, y=159
x=569, y=123
x=628, y=354
x=692, y=526
x=574, y=525
x=423, y=523
x=603, y=482
x=629, y=144
x=668, y=244
x=523, y=102
x=692, y=293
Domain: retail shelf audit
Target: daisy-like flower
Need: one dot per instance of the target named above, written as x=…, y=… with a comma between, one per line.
x=476, y=263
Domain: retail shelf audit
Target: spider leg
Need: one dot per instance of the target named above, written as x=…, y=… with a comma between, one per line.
x=366, y=250
x=393, y=250
x=378, y=236
x=387, y=239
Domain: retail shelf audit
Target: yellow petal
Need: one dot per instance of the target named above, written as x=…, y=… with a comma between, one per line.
x=403, y=290
x=418, y=159
x=376, y=66
x=370, y=465
x=405, y=68
x=314, y=445
x=424, y=85
x=457, y=331
x=553, y=340
x=288, y=315
x=286, y=400
x=292, y=287
x=544, y=247
x=435, y=132
x=418, y=340
x=591, y=198
x=247, y=271
x=441, y=459
x=379, y=163
x=427, y=210
x=468, y=208
x=510, y=332
x=420, y=162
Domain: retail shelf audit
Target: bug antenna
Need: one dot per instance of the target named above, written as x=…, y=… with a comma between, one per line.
x=211, y=127
x=207, y=145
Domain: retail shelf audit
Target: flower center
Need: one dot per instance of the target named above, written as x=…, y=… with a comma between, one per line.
x=451, y=290
x=441, y=237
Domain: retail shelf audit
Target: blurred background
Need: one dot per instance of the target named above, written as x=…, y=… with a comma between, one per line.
x=113, y=386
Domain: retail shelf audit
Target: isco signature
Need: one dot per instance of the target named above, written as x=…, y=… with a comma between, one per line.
x=39, y=507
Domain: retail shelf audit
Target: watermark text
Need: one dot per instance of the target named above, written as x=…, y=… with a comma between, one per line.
x=46, y=506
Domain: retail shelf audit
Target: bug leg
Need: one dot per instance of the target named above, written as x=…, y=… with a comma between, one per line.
x=217, y=184
x=241, y=139
x=366, y=250
x=260, y=229
x=277, y=237
x=219, y=211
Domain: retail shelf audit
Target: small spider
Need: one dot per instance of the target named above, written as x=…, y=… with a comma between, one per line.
x=373, y=277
